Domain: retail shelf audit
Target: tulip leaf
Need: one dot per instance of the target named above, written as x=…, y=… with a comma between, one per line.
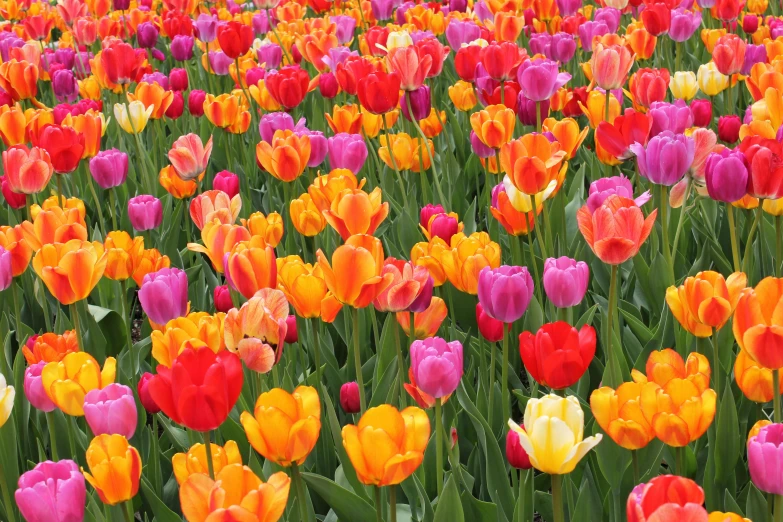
x=727, y=440
x=612, y=459
x=756, y=507
x=346, y=504
x=348, y=469
x=161, y=510
x=477, y=510
x=449, y=506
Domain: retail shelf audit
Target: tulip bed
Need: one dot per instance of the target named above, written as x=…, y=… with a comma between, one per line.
x=375, y=260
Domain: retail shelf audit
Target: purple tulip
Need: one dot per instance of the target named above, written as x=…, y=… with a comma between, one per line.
x=65, y=86
x=753, y=54
x=563, y=48
x=109, y=168
x=707, y=4
x=182, y=47
x=526, y=110
x=52, y=492
x=383, y=9
x=765, y=459
x=121, y=5
x=684, y=24
x=540, y=79
x=420, y=103
x=111, y=410
x=67, y=57
x=347, y=151
x=568, y=7
x=588, y=31
x=318, y=146
x=610, y=16
x=34, y=390
x=164, y=295
x=270, y=56
x=565, y=281
x=726, y=175
x=274, y=121
x=206, y=27
x=666, y=158
x=417, y=36
x=147, y=35
x=220, y=62
x=260, y=23
x=602, y=188
x=423, y=301
x=145, y=212
x=345, y=27
x=482, y=11
x=505, y=292
x=674, y=117
x=540, y=43
x=399, y=14
x=458, y=6
x=479, y=149
x=460, y=32
x=7, y=42
x=436, y=366
x=156, y=77
x=337, y=56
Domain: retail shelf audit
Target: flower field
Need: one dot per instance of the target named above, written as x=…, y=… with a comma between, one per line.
x=386, y=260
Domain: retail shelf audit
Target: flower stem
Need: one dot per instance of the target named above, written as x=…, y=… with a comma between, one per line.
x=393, y=503
x=17, y=312
x=776, y=395
x=128, y=325
x=390, y=148
x=504, y=378
x=778, y=244
x=128, y=510
x=778, y=508
x=300, y=492
x=681, y=219
x=538, y=116
x=612, y=362
x=52, y=438
x=208, y=448
x=716, y=371
x=77, y=326
x=317, y=352
x=733, y=234
x=400, y=365
x=60, y=194
x=667, y=252
x=492, y=350
x=425, y=148
x=557, y=498
x=439, y=443
x=112, y=205
x=749, y=243
x=635, y=461
x=378, y=506
x=678, y=461
x=357, y=359
x=7, y=503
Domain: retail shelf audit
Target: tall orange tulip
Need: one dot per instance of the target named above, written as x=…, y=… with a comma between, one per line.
x=354, y=211
x=324, y=189
x=626, y=414
x=12, y=240
x=494, y=125
x=251, y=266
x=70, y=270
x=616, y=230
x=706, y=301
x=121, y=250
x=754, y=380
x=269, y=227
x=19, y=79
x=12, y=125
x=54, y=224
x=286, y=157
x=758, y=323
x=532, y=162
x=219, y=239
x=115, y=468
x=346, y=119
x=153, y=95
x=305, y=288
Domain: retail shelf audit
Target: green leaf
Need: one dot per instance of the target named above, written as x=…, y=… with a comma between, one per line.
x=346, y=504
x=161, y=510
x=727, y=441
x=756, y=506
x=348, y=469
x=449, y=506
x=612, y=459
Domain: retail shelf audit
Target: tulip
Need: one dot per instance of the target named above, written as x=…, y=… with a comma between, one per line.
x=666, y=158
x=68, y=381
x=706, y=301
x=683, y=85
x=426, y=323
x=557, y=355
x=70, y=270
x=533, y=163
x=379, y=92
x=133, y=117
x=250, y=266
x=468, y=255
x=683, y=24
x=347, y=151
x=711, y=80
x=109, y=168
x=540, y=79
x=27, y=171
x=355, y=275
x=283, y=427
x=754, y=380
x=189, y=156
x=408, y=153
x=404, y=434
x=49, y=347
x=143, y=390
x=195, y=460
x=763, y=456
x=214, y=204
x=494, y=125
x=122, y=252
x=235, y=38
x=19, y=79
x=489, y=328
x=182, y=48
x=565, y=281
x=648, y=86
x=763, y=157
x=354, y=211
x=195, y=329
x=64, y=146
x=729, y=129
x=288, y=86
x=666, y=496
x=611, y=245
x=436, y=366
x=610, y=65
x=666, y=365
x=626, y=414
x=256, y=331
x=52, y=492
x=286, y=157
x=552, y=418
x=505, y=292
x=115, y=468
x=729, y=54
x=200, y=388
x=410, y=283
x=145, y=212
x=34, y=390
x=757, y=332
x=111, y=410
x=227, y=182
x=726, y=176
x=164, y=295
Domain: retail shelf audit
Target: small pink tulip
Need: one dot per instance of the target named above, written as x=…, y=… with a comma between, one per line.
x=565, y=281
x=436, y=366
x=111, y=411
x=34, y=390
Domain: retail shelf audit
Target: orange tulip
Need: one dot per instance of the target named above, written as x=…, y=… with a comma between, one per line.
x=28, y=171
x=409, y=154
x=640, y=41
x=758, y=324
x=53, y=224
x=515, y=222
x=494, y=125
x=12, y=240
x=37, y=119
x=463, y=96
x=754, y=380
x=567, y=134
x=90, y=124
x=626, y=414
x=195, y=460
x=176, y=186
x=706, y=301
x=718, y=516
x=315, y=46
x=595, y=108
x=251, y=266
x=227, y=111
x=19, y=79
x=146, y=262
x=665, y=365
x=197, y=329
x=684, y=412
x=508, y=27
x=153, y=95
x=70, y=270
x=432, y=125
x=263, y=98
x=189, y=156
x=325, y=189
x=354, y=211
x=467, y=257
x=532, y=162
x=372, y=123
x=429, y=254
x=346, y=119
x=764, y=76
x=115, y=468
x=219, y=239
x=355, y=274
x=610, y=65
x=121, y=251
x=270, y=227
x=306, y=217
x=215, y=204
x=408, y=281
x=12, y=125
x=616, y=230
x=51, y=347
x=286, y=157
x=426, y=323
x=256, y=331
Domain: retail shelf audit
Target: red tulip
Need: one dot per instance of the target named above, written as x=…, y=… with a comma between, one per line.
x=177, y=24
x=376, y=37
x=235, y=38
x=200, y=388
x=557, y=355
x=765, y=166
x=353, y=69
x=656, y=19
x=121, y=62
x=64, y=145
x=616, y=138
x=501, y=60
x=379, y=92
x=649, y=86
x=288, y=86
x=433, y=48
x=489, y=328
x=729, y=54
x=465, y=62
x=728, y=10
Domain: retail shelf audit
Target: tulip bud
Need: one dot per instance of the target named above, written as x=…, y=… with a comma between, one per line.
x=33, y=386
x=728, y=128
x=420, y=103
x=182, y=48
x=270, y=56
x=65, y=86
x=177, y=106
x=291, y=334
x=427, y=212
x=226, y=181
x=726, y=175
x=145, y=212
x=526, y=110
x=349, y=397
x=196, y=102
x=121, y=5
x=565, y=281
x=144, y=394
x=489, y=328
x=515, y=454
x=164, y=295
x=12, y=198
x=178, y=79
x=109, y=168
x=147, y=35
x=702, y=112
x=328, y=86
x=111, y=410
x=443, y=226
x=222, y=298
x=52, y=491
x=260, y=23
x=454, y=437
x=750, y=23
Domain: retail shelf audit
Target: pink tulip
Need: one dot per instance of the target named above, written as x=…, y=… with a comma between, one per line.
x=515, y=454
x=765, y=459
x=602, y=188
x=164, y=295
x=505, y=292
x=109, y=168
x=349, y=397
x=227, y=182
x=34, y=390
x=111, y=410
x=145, y=212
x=540, y=79
x=52, y=492
x=726, y=176
x=436, y=366
x=189, y=156
x=565, y=281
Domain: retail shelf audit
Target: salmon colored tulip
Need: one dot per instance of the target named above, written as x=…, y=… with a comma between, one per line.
x=250, y=266
x=665, y=365
x=284, y=427
x=754, y=380
x=286, y=157
x=616, y=230
x=50, y=347
x=409, y=154
x=666, y=497
x=189, y=156
x=12, y=125
x=315, y=46
x=152, y=95
x=236, y=494
x=28, y=171
x=70, y=270
x=346, y=119
x=626, y=414
x=115, y=468
x=467, y=257
x=408, y=282
x=386, y=446
x=305, y=288
x=426, y=323
x=411, y=68
x=218, y=240
x=67, y=381
x=195, y=460
x=610, y=65
x=325, y=189
x=19, y=79
x=147, y=261
x=306, y=217
x=532, y=162
x=355, y=275
x=354, y=211
x=705, y=301
x=121, y=251
x=757, y=325
x=729, y=54
x=195, y=329
x=494, y=125
x=269, y=227
x=214, y=204
x=256, y=331
x=176, y=186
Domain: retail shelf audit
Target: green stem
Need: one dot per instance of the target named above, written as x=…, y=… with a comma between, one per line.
x=71, y=438
x=155, y=456
x=733, y=234
x=522, y=495
x=208, y=449
x=612, y=360
x=112, y=205
x=538, y=116
x=393, y=503
x=504, y=378
x=678, y=461
x=91, y=185
x=681, y=218
x=749, y=243
x=667, y=253
x=778, y=508
x=400, y=365
x=60, y=194
x=390, y=148
x=300, y=493
x=716, y=370
x=550, y=244
x=492, y=350
x=776, y=395
x=128, y=325
x=77, y=326
x=127, y=510
x=427, y=150
x=357, y=359
x=8, y=504
x=439, y=436
x=778, y=244
x=317, y=352
x=17, y=313
x=635, y=461
x=533, y=262
x=378, y=505
x=557, y=498
x=52, y=437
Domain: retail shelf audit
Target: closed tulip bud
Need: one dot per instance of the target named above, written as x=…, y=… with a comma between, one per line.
x=702, y=112
x=109, y=168
x=222, y=298
x=177, y=106
x=34, y=390
x=349, y=397
x=683, y=24
x=52, y=491
x=347, y=151
x=143, y=390
x=164, y=295
x=750, y=23
x=436, y=365
x=729, y=128
x=726, y=175
x=505, y=292
x=65, y=86
x=182, y=48
x=515, y=454
x=227, y=182
x=111, y=410
x=729, y=54
x=565, y=281
x=145, y=212
x=196, y=102
x=420, y=103
x=14, y=199
x=328, y=85
x=540, y=79
x=610, y=65
x=626, y=414
x=178, y=79
x=683, y=85
x=489, y=328
x=318, y=147
x=666, y=496
x=110, y=456
x=678, y=150
x=146, y=35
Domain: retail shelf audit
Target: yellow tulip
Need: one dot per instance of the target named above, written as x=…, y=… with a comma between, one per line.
x=626, y=414
x=7, y=394
x=66, y=382
x=132, y=117
x=683, y=85
x=711, y=80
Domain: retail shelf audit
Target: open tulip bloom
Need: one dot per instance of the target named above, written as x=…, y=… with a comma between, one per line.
x=312, y=260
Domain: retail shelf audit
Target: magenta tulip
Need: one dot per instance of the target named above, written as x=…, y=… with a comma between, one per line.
x=349, y=397
x=436, y=366
x=111, y=410
x=109, y=168
x=602, y=188
x=347, y=151
x=52, y=492
x=565, y=281
x=6, y=274
x=540, y=79
x=765, y=459
x=666, y=158
x=726, y=175
x=164, y=295
x=505, y=292
x=684, y=24
x=515, y=454
x=226, y=181
x=34, y=390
